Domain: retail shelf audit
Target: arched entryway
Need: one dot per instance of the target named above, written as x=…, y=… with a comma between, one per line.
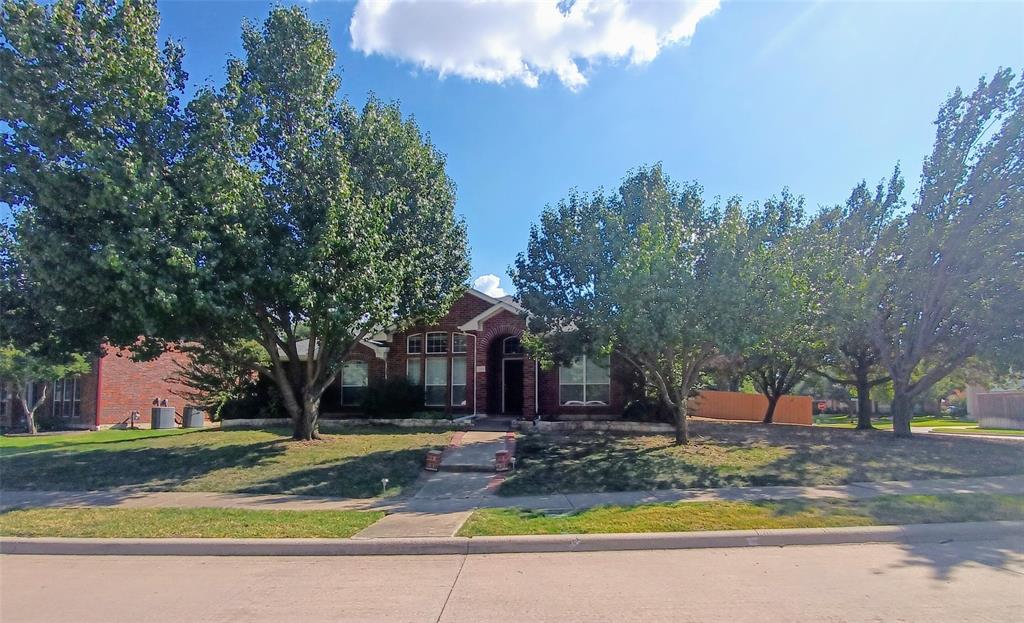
x=505, y=372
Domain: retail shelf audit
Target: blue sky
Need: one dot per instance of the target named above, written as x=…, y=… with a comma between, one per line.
x=763, y=95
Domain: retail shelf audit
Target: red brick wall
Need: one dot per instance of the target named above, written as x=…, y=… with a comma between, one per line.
x=127, y=386
x=464, y=309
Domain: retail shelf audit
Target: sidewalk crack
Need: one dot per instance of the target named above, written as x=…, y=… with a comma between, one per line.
x=452, y=589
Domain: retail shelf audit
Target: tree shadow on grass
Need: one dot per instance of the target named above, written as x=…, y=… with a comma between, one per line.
x=589, y=462
x=147, y=468
x=837, y=456
x=354, y=476
x=72, y=444
x=598, y=463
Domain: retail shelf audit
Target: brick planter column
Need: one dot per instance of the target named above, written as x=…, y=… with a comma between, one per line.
x=529, y=388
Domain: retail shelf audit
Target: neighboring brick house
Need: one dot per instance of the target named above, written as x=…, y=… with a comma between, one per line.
x=471, y=362
x=105, y=396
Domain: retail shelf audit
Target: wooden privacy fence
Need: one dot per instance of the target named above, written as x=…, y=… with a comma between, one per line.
x=751, y=407
x=1001, y=410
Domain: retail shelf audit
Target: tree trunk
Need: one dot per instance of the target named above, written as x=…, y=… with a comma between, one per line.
x=769, y=415
x=682, y=426
x=863, y=400
x=30, y=421
x=902, y=410
x=308, y=425
x=30, y=412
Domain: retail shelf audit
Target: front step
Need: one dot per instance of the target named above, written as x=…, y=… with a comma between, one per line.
x=474, y=451
x=466, y=467
x=494, y=423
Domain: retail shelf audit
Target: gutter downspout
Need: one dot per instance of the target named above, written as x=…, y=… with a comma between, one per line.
x=99, y=385
x=536, y=389
x=474, y=372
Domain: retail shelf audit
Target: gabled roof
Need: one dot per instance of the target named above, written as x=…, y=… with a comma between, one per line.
x=302, y=348
x=494, y=301
x=378, y=342
x=474, y=323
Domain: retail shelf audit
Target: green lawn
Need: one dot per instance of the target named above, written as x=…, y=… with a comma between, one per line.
x=183, y=523
x=242, y=461
x=885, y=423
x=16, y=444
x=689, y=516
x=742, y=454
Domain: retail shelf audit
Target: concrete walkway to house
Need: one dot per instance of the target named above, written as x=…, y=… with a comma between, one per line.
x=467, y=473
x=474, y=451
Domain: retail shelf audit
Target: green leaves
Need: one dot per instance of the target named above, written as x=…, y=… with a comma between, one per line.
x=91, y=102
x=650, y=271
x=268, y=210
x=948, y=283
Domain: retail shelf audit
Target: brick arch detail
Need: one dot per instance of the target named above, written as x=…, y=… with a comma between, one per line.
x=502, y=326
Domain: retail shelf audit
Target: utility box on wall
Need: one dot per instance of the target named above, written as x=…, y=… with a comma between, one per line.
x=162, y=417
x=192, y=418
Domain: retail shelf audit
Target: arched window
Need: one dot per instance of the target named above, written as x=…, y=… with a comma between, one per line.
x=512, y=346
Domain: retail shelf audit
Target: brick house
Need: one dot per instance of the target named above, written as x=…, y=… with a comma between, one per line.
x=471, y=362
x=104, y=397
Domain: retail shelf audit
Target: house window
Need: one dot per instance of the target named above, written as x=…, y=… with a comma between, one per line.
x=458, y=381
x=355, y=376
x=414, y=344
x=585, y=382
x=458, y=342
x=414, y=370
x=437, y=343
x=436, y=382
x=67, y=398
x=512, y=346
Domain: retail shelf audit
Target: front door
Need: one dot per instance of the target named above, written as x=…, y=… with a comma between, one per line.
x=512, y=387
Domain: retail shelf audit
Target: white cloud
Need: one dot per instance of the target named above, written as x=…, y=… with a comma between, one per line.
x=520, y=40
x=489, y=285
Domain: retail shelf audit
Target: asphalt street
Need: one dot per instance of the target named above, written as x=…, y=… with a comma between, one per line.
x=958, y=581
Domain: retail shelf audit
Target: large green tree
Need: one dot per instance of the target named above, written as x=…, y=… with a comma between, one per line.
x=32, y=351
x=317, y=225
x=950, y=283
x=842, y=245
x=788, y=343
x=651, y=272
x=90, y=101
x=267, y=210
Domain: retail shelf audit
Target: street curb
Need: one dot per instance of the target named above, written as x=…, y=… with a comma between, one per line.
x=909, y=534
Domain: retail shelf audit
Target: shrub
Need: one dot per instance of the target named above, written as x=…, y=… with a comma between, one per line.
x=647, y=410
x=393, y=398
x=260, y=401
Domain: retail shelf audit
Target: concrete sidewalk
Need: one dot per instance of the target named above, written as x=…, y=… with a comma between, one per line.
x=482, y=497
x=913, y=533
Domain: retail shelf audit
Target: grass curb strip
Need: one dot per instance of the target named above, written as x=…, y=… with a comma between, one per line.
x=916, y=533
